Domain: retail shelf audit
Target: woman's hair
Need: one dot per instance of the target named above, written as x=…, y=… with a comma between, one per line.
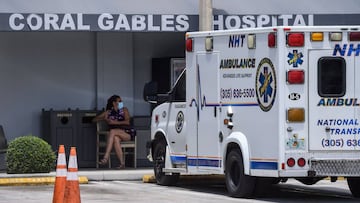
x=110, y=101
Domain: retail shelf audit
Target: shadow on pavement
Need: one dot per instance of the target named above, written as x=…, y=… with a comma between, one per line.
x=282, y=192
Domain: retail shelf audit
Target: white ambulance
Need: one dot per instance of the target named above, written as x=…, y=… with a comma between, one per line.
x=262, y=105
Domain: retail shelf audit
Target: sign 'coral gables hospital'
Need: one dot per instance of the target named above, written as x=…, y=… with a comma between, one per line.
x=155, y=22
x=150, y=22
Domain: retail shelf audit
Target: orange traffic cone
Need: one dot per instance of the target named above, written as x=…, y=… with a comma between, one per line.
x=60, y=180
x=72, y=189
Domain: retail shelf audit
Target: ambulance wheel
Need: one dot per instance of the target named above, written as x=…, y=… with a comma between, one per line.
x=159, y=164
x=354, y=186
x=237, y=183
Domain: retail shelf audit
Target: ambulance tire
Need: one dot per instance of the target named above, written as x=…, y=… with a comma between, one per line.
x=354, y=186
x=237, y=183
x=159, y=164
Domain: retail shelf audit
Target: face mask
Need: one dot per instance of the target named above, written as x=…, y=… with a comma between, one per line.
x=120, y=105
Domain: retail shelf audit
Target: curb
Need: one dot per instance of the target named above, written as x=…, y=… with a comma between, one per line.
x=35, y=181
x=85, y=176
x=149, y=179
x=339, y=178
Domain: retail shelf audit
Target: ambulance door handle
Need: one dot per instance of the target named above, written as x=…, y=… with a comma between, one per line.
x=327, y=129
x=214, y=111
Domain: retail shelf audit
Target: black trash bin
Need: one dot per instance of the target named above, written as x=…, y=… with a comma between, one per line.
x=86, y=138
x=3, y=148
x=59, y=127
x=72, y=128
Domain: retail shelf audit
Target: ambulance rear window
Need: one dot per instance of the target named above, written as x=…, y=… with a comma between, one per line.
x=331, y=77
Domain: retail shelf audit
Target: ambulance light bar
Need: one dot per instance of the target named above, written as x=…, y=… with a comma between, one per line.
x=209, y=44
x=272, y=39
x=295, y=39
x=354, y=36
x=295, y=77
x=335, y=36
x=251, y=42
x=189, y=44
x=295, y=115
x=317, y=36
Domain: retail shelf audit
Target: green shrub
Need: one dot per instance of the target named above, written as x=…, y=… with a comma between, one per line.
x=29, y=154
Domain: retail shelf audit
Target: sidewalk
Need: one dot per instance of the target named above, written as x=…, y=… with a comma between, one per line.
x=84, y=176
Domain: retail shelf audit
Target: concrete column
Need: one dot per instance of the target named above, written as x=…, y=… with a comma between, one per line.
x=205, y=15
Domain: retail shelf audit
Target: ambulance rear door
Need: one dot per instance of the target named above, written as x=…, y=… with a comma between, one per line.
x=333, y=99
x=357, y=96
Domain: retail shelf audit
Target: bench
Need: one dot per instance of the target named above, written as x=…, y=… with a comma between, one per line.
x=102, y=130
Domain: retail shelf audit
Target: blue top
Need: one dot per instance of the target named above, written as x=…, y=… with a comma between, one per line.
x=116, y=115
x=120, y=116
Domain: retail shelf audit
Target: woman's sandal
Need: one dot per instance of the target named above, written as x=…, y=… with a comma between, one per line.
x=103, y=161
x=121, y=166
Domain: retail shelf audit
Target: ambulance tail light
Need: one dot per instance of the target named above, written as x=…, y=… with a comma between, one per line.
x=295, y=39
x=301, y=162
x=290, y=162
x=295, y=115
x=354, y=36
x=295, y=77
x=317, y=36
x=272, y=39
x=335, y=36
x=189, y=44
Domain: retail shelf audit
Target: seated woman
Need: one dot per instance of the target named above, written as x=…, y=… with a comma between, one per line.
x=117, y=116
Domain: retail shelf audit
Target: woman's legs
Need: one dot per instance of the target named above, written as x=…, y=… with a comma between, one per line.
x=118, y=150
x=120, y=135
x=109, y=145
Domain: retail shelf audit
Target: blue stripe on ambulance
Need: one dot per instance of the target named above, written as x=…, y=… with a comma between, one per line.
x=204, y=162
x=265, y=165
x=196, y=161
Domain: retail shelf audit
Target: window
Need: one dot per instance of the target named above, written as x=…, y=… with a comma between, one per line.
x=179, y=91
x=331, y=77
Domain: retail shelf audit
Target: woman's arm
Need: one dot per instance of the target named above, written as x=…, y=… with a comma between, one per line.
x=126, y=120
x=127, y=117
x=100, y=117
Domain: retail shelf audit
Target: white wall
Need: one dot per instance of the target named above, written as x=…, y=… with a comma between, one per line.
x=43, y=70
x=115, y=68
